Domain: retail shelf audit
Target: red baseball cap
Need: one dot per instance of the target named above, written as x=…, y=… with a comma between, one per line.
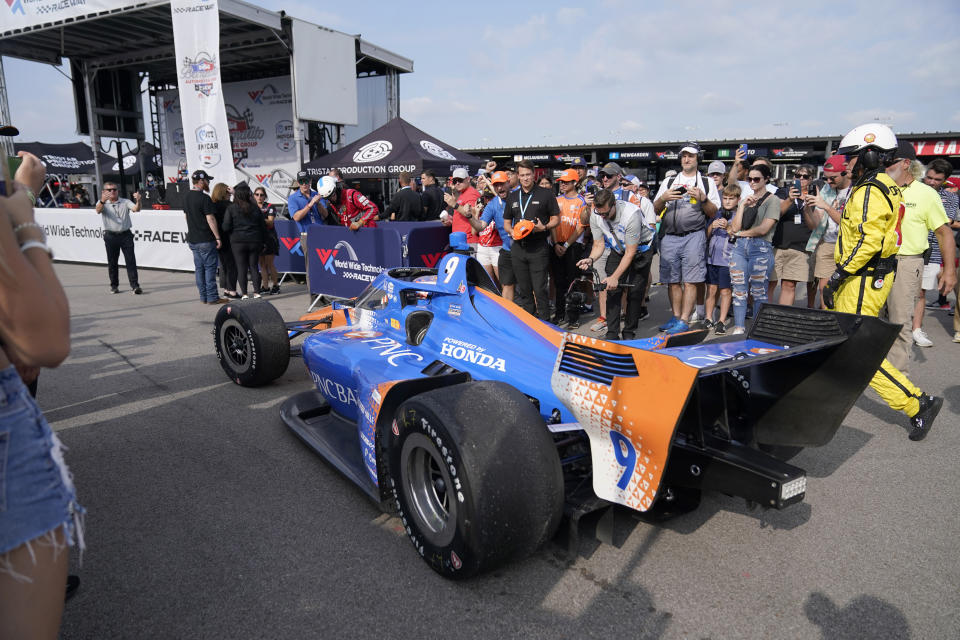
x=955, y=181
x=836, y=163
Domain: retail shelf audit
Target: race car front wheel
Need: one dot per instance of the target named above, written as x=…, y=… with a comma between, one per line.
x=251, y=342
x=475, y=476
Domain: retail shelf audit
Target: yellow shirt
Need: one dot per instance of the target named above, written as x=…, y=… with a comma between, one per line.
x=923, y=213
x=870, y=224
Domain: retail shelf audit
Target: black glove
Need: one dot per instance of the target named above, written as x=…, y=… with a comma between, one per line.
x=833, y=284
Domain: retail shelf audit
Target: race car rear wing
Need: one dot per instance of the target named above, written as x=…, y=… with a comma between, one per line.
x=654, y=421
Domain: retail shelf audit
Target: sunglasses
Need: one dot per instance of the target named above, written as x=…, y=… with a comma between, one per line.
x=259, y=195
x=456, y=181
x=607, y=176
x=802, y=176
x=755, y=179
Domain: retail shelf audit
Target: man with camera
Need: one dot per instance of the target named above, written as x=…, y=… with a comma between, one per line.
x=460, y=196
x=117, y=235
x=686, y=203
x=620, y=224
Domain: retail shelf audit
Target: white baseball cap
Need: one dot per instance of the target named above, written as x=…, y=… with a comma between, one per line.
x=461, y=173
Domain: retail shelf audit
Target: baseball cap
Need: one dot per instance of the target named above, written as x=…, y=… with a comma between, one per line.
x=905, y=150
x=716, y=167
x=461, y=173
x=670, y=174
x=569, y=175
x=690, y=147
x=302, y=175
x=632, y=179
x=955, y=181
x=579, y=162
x=612, y=168
x=836, y=163
x=200, y=174
x=499, y=176
x=9, y=130
x=592, y=172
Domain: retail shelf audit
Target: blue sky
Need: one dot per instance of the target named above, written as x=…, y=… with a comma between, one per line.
x=499, y=73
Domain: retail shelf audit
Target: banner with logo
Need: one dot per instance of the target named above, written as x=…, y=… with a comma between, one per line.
x=21, y=14
x=76, y=235
x=262, y=142
x=196, y=41
x=343, y=262
x=290, y=259
x=937, y=147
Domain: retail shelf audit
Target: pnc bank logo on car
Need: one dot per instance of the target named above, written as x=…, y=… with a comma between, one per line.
x=292, y=245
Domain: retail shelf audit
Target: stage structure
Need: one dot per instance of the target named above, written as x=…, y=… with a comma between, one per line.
x=279, y=112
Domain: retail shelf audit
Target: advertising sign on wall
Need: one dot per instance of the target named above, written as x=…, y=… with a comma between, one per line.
x=262, y=136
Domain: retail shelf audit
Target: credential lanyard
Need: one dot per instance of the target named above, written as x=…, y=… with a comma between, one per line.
x=523, y=207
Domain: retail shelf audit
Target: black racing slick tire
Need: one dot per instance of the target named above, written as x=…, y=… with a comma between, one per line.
x=251, y=342
x=475, y=476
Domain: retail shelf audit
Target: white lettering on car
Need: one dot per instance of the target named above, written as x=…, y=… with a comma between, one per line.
x=474, y=356
x=391, y=349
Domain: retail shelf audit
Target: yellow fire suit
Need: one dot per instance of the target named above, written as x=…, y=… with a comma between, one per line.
x=869, y=230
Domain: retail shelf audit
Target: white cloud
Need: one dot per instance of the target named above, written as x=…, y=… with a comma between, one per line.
x=630, y=125
x=718, y=103
x=517, y=35
x=571, y=15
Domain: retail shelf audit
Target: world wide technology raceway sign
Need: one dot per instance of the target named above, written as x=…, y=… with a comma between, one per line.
x=160, y=237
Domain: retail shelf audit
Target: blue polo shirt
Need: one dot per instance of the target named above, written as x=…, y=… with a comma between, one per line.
x=298, y=201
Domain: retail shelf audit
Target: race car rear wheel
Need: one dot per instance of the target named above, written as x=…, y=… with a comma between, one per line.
x=475, y=476
x=251, y=342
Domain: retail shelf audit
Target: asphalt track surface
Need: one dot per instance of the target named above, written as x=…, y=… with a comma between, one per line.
x=208, y=519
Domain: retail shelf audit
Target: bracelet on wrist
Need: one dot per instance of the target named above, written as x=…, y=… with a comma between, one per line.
x=27, y=225
x=35, y=244
x=30, y=194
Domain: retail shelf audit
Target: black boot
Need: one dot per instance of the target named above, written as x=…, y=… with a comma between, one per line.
x=929, y=408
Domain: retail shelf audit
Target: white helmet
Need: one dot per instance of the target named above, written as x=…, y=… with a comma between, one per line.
x=870, y=135
x=326, y=185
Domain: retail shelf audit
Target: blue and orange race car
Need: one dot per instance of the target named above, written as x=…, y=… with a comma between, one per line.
x=481, y=426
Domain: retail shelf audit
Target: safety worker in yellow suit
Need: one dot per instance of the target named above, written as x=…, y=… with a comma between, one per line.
x=866, y=251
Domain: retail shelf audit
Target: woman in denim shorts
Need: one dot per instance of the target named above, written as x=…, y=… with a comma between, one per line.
x=39, y=514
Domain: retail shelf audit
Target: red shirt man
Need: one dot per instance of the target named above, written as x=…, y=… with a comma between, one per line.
x=463, y=194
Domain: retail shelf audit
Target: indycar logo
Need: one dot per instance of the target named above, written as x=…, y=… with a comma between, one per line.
x=293, y=245
x=203, y=88
x=16, y=6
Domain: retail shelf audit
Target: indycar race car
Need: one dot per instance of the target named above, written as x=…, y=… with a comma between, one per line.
x=481, y=425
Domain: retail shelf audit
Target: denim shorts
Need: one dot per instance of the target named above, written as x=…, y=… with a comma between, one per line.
x=36, y=490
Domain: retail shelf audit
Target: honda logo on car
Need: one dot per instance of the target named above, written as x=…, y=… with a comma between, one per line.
x=467, y=352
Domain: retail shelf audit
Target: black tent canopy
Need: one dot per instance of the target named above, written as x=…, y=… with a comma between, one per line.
x=385, y=152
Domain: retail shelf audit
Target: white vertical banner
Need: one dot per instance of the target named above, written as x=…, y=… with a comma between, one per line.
x=196, y=42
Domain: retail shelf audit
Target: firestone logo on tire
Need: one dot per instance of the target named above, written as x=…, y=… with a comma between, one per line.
x=373, y=151
x=436, y=150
